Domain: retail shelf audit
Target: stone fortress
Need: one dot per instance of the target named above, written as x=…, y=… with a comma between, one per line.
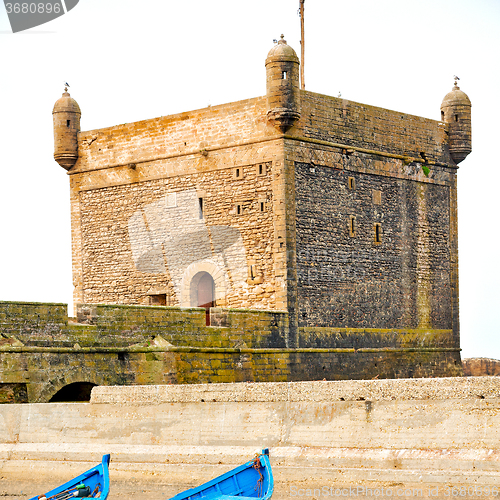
x=294, y=236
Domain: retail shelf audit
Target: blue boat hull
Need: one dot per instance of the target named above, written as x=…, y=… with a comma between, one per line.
x=251, y=480
x=95, y=479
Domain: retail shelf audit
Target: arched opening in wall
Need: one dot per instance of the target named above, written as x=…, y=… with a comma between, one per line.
x=203, y=293
x=75, y=392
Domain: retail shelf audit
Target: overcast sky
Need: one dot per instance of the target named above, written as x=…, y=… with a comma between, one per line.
x=128, y=60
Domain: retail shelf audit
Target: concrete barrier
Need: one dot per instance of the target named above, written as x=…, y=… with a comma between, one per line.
x=423, y=431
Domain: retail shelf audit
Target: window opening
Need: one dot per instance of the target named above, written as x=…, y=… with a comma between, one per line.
x=68, y=123
x=351, y=183
x=262, y=206
x=352, y=225
x=158, y=299
x=456, y=118
x=200, y=206
x=253, y=272
x=283, y=75
x=378, y=233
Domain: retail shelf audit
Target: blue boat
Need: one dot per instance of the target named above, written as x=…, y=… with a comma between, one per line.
x=91, y=484
x=251, y=480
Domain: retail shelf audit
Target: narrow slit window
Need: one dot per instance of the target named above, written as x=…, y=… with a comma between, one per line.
x=238, y=209
x=200, y=206
x=283, y=75
x=260, y=169
x=68, y=122
x=456, y=118
x=351, y=183
x=238, y=173
x=352, y=226
x=377, y=233
x=262, y=206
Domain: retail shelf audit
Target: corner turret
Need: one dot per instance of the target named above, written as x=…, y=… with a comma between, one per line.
x=66, y=115
x=282, y=84
x=456, y=111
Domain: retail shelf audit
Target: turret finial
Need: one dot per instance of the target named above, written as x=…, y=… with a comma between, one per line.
x=456, y=81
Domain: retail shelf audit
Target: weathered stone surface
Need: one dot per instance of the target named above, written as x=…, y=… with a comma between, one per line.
x=45, y=352
x=480, y=367
x=426, y=433
x=456, y=388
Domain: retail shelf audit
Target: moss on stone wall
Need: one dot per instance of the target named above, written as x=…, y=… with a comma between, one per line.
x=42, y=351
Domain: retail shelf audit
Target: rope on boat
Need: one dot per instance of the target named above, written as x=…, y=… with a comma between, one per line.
x=73, y=492
x=257, y=466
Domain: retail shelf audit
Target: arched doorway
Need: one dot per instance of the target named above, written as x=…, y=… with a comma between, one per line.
x=203, y=287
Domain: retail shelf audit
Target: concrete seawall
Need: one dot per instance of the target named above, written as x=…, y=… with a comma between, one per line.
x=410, y=431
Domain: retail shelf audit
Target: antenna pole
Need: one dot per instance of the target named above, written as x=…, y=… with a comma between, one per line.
x=302, y=45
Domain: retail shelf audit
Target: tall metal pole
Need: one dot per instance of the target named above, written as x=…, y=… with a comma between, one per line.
x=302, y=46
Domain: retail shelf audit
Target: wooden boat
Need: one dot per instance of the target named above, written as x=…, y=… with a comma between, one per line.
x=251, y=480
x=91, y=484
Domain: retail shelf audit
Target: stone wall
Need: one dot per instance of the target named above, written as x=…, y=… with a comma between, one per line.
x=155, y=202
x=145, y=238
x=360, y=125
x=372, y=251
x=480, y=367
x=43, y=352
x=31, y=320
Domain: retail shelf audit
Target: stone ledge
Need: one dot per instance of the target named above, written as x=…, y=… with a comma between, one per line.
x=344, y=390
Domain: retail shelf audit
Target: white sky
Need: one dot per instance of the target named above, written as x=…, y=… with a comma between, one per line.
x=128, y=60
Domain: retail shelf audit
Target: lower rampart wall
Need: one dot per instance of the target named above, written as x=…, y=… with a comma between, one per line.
x=42, y=350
